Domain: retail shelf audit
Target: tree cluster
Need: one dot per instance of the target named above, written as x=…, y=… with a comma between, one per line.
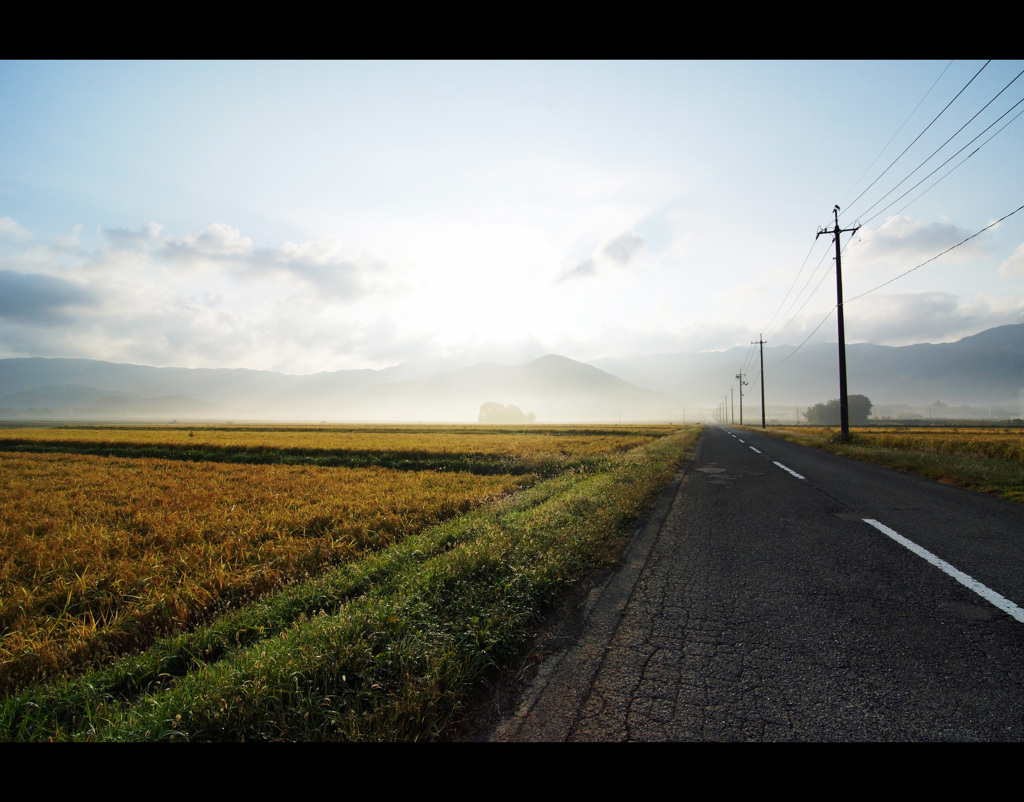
x=492, y=412
x=858, y=406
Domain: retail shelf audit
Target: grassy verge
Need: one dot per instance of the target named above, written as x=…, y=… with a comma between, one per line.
x=387, y=648
x=937, y=457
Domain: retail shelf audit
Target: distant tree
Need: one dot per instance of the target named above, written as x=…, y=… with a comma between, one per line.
x=823, y=414
x=492, y=412
x=858, y=406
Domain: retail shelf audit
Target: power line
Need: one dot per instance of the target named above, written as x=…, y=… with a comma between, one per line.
x=830, y=311
x=908, y=147
x=940, y=147
x=923, y=98
x=890, y=281
x=801, y=270
x=808, y=298
x=747, y=359
x=810, y=278
x=814, y=292
x=969, y=155
x=901, y=275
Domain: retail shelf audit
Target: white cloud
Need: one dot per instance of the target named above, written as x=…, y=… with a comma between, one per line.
x=585, y=269
x=69, y=242
x=216, y=240
x=224, y=256
x=902, y=239
x=199, y=300
x=132, y=239
x=10, y=230
x=480, y=288
x=904, y=319
x=1013, y=265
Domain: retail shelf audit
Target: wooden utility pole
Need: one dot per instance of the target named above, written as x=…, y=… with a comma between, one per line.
x=844, y=409
x=760, y=342
x=740, y=377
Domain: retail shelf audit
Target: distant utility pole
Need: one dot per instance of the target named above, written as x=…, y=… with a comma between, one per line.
x=732, y=407
x=760, y=341
x=740, y=377
x=844, y=409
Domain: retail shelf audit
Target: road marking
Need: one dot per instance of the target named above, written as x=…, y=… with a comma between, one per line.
x=986, y=593
x=789, y=470
x=754, y=449
x=742, y=441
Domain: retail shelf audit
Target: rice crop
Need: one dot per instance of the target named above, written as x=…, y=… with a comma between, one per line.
x=99, y=555
x=112, y=536
x=390, y=646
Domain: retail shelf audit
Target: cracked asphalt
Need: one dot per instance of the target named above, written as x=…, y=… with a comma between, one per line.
x=757, y=604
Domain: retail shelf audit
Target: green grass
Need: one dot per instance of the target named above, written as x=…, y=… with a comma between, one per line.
x=390, y=648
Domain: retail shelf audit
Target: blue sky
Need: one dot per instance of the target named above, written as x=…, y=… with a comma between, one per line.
x=308, y=216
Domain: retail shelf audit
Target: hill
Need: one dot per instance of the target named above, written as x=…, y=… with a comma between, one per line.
x=985, y=370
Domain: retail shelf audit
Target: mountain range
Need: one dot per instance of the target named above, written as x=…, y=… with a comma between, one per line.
x=983, y=373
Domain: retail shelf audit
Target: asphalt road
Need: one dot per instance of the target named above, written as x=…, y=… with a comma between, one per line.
x=759, y=604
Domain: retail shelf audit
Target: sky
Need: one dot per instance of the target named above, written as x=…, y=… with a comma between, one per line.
x=313, y=216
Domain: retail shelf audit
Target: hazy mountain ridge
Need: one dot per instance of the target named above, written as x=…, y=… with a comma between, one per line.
x=986, y=368
x=983, y=369
x=553, y=387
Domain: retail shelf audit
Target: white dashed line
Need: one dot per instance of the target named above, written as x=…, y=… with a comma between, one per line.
x=754, y=449
x=986, y=593
x=789, y=470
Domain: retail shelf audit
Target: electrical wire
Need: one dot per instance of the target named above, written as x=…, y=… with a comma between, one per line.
x=940, y=147
x=908, y=147
x=830, y=311
x=969, y=155
x=814, y=292
x=810, y=278
x=967, y=239
x=890, y=281
x=922, y=100
x=786, y=298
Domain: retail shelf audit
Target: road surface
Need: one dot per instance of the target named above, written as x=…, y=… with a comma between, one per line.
x=782, y=593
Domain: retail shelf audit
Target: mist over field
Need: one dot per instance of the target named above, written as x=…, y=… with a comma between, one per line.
x=977, y=377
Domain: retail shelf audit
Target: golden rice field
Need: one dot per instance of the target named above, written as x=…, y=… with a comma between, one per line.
x=992, y=443
x=101, y=554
